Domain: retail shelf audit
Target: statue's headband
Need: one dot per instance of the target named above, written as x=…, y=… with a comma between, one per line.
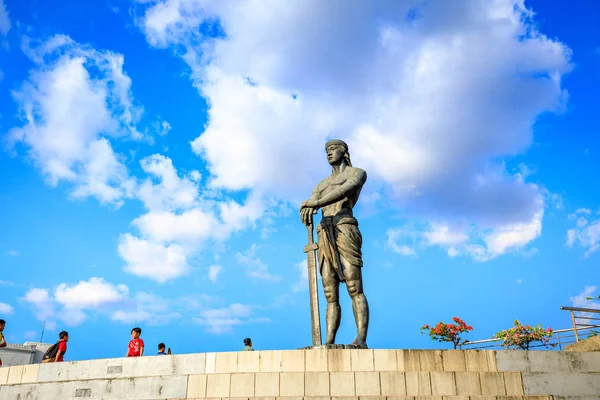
x=336, y=142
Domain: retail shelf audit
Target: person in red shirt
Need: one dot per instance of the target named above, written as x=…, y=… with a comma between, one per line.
x=62, y=346
x=2, y=340
x=136, y=344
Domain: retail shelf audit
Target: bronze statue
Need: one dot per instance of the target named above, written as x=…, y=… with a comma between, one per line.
x=339, y=240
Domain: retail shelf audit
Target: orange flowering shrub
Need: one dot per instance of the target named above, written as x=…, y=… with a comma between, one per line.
x=443, y=332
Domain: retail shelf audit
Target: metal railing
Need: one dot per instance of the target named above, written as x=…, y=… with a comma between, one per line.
x=584, y=326
x=584, y=316
x=559, y=339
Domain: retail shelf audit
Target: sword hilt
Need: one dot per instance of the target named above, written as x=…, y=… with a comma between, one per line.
x=311, y=247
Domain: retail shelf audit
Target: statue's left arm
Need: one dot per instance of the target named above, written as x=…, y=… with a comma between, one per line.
x=356, y=179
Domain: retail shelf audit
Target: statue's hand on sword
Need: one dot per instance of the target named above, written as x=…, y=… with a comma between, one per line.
x=307, y=210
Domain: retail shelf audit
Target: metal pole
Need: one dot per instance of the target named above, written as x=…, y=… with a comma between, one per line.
x=574, y=326
x=311, y=253
x=43, y=328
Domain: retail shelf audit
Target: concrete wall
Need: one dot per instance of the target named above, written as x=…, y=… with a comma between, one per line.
x=16, y=355
x=28, y=353
x=558, y=373
x=314, y=374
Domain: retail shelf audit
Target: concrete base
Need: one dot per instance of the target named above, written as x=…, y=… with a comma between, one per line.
x=315, y=375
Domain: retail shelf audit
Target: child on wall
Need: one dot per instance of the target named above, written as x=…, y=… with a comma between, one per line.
x=62, y=346
x=136, y=344
x=56, y=352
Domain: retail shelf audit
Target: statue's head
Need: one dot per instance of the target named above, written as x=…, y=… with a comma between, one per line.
x=337, y=152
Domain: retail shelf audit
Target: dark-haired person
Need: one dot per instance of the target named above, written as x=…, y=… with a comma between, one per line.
x=62, y=346
x=161, y=349
x=248, y=345
x=136, y=344
x=2, y=340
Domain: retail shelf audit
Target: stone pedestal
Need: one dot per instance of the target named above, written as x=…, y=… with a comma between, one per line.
x=315, y=375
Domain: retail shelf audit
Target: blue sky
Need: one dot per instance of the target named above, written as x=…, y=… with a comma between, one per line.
x=155, y=153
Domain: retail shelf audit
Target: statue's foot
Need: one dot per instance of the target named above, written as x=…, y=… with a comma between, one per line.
x=358, y=344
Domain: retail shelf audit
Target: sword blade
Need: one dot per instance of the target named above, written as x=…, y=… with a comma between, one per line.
x=311, y=259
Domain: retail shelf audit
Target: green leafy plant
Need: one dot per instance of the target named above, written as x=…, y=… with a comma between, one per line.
x=521, y=336
x=443, y=332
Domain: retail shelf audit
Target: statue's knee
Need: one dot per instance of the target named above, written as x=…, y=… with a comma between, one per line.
x=331, y=294
x=354, y=288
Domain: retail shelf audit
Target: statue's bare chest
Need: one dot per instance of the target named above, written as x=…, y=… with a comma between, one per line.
x=332, y=182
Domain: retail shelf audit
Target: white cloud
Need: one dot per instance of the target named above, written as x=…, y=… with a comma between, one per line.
x=152, y=260
x=43, y=306
x=162, y=127
x=402, y=234
x=75, y=99
x=6, y=309
x=7, y=283
x=94, y=293
x=172, y=192
x=4, y=19
x=213, y=272
x=302, y=270
x=69, y=304
x=557, y=201
x=443, y=236
x=481, y=245
x=189, y=226
x=586, y=234
x=181, y=218
x=410, y=95
x=195, y=176
x=148, y=309
x=72, y=304
x=223, y=320
x=514, y=236
x=254, y=267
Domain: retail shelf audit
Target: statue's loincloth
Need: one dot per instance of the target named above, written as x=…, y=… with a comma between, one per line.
x=339, y=237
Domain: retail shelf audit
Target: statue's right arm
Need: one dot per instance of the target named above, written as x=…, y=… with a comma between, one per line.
x=307, y=212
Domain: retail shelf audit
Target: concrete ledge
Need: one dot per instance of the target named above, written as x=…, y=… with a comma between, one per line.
x=547, y=361
x=312, y=374
x=266, y=361
x=155, y=388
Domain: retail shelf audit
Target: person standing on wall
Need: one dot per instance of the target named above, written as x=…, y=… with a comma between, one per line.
x=2, y=340
x=56, y=352
x=136, y=344
x=248, y=344
x=62, y=346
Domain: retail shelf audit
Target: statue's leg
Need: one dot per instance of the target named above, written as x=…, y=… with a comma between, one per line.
x=331, y=286
x=360, y=306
